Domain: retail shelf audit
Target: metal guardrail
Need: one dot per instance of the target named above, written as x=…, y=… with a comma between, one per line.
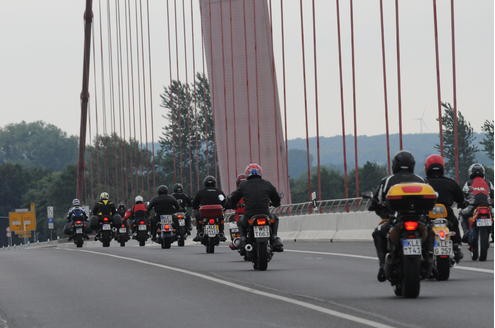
x=323, y=206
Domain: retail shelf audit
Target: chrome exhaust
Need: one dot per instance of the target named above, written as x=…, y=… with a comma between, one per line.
x=248, y=247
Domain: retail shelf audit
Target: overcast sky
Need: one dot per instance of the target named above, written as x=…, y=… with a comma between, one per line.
x=41, y=62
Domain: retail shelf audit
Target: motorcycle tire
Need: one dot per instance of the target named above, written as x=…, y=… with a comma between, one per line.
x=181, y=242
x=261, y=260
x=442, y=268
x=411, y=276
x=165, y=243
x=484, y=243
x=210, y=246
x=106, y=243
x=79, y=243
x=141, y=243
x=122, y=244
x=474, y=245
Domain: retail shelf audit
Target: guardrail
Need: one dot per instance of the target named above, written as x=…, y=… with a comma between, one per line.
x=323, y=206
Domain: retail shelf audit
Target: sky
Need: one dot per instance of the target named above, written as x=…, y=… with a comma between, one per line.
x=42, y=52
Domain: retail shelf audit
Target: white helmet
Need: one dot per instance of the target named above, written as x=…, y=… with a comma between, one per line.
x=104, y=195
x=138, y=198
x=76, y=202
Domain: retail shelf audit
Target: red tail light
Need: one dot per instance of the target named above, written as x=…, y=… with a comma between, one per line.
x=411, y=225
x=483, y=210
x=411, y=189
x=211, y=221
x=441, y=234
x=180, y=217
x=105, y=219
x=78, y=222
x=261, y=221
x=123, y=225
x=141, y=222
x=167, y=227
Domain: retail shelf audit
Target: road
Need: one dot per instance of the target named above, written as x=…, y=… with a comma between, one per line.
x=311, y=284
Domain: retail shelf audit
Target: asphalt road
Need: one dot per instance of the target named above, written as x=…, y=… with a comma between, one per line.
x=311, y=284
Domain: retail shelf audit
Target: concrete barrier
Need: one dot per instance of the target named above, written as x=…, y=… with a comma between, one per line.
x=329, y=226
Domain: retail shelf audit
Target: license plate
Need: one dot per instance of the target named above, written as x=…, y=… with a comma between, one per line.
x=182, y=223
x=442, y=247
x=123, y=230
x=211, y=230
x=79, y=230
x=106, y=227
x=261, y=231
x=166, y=219
x=484, y=222
x=233, y=226
x=142, y=227
x=411, y=246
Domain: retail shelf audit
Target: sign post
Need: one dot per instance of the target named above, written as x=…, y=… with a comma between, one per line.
x=51, y=224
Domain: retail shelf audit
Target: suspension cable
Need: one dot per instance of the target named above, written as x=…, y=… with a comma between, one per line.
x=247, y=82
x=153, y=172
x=454, y=88
x=356, y=162
x=233, y=87
x=257, y=81
x=385, y=85
x=316, y=101
x=196, y=151
x=282, y=32
x=399, y=96
x=437, y=63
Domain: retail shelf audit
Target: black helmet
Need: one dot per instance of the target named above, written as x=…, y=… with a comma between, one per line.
x=476, y=170
x=162, y=190
x=210, y=181
x=403, y=161
x=178, y=188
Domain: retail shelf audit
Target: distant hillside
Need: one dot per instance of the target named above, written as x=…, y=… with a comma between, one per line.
x=370, y=148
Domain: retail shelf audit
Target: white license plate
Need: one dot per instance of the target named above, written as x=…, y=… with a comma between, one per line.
x=79, y=230
x=106, y=227
x=233, y=226
x=442, y=247
x=166, y=219
x=484, y=222
x=182, y=223
x=211, y=230
x=261, y=231
x=123, y=230
x=411, y=246
x=142, y=227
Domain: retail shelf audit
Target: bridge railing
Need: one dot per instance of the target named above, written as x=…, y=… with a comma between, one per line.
x=323, y=206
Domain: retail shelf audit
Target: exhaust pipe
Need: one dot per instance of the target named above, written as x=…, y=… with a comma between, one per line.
x=236, y=242
x=248, y=247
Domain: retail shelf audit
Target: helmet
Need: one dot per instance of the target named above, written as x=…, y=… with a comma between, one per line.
x=104, y=195
x=253, y=169
x=178, y=188
x=76, y=202
x=403, y=160
x=210, y=181
x=162, y=190
x=434, y=165
x=138, y=198
x=240, y=178
x=476, y=170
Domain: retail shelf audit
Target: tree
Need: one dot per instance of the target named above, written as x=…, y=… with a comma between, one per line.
x=15, y=181
x=370, y=176
x=37, y=144
x=466, y=147
x=331, y=185
x=487, y=141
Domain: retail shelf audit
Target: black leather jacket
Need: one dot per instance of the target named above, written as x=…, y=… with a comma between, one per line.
x=258, y=195
x=183, y=200
x=164, y=205
x=209, y=196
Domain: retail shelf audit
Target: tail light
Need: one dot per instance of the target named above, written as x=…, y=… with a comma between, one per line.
x=167, y=227
x=441, y=234
x=411, y=225
x=78, y=222
x=261, y=221
x=180, y=217
x=105, y=219
x=483, y=210
x=123, y=225
x=211, y=221
x=141, y=222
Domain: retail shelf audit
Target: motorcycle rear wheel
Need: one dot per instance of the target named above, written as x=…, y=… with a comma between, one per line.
x=106, y=243
x=181, y=242
x=261, y=260
x=411, y=273
x=142, y=243
x=443, y=268
x=210, y=246
x=122, y=244
x=484, y=243
x=166, y=243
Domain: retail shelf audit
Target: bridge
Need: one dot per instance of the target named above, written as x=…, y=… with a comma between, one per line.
x=252, y=71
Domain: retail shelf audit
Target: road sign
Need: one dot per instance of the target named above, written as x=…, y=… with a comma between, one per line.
x=23, y=221
x=49, y=211
x=8, y=233
x=51, y=224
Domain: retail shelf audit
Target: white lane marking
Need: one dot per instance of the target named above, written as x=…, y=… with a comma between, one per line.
x=248, y=290
x=374, y=258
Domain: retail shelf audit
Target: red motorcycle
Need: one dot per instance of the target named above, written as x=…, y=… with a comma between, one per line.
x=480, y=227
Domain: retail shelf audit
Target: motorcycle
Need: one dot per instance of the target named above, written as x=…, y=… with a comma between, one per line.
x=141, y=231
x=122, y=234
x=408, y=236
x=235, y=234
x=179, y=220
x=78, y=232
x=105, y=231
x=443, y=255
x=166, y=231
x=480, y=227
x=258, y=248
x=212, y=217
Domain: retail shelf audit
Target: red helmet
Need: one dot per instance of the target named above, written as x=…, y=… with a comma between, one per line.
x=253, y=169
x=434, y=164
x=240, y=178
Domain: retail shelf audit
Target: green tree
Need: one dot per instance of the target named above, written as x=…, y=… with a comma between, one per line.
x=370, y=176
x=37, y=144
x=331, y=185
x=466, y=147
x=487, y=141
x=15, y=182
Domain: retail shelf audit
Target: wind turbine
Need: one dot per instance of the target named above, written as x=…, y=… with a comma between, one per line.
x=422, y=121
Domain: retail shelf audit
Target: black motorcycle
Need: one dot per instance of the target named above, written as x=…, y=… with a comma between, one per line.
x=165, y=230
x=78, y=232
x=141, y=231
x=211, y=217
x=122, y=234
x=179, y=220
x=105, y=231
x=258, y=248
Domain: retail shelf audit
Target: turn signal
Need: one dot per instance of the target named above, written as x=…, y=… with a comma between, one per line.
x=411, y=225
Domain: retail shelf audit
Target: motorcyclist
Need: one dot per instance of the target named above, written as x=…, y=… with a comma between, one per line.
x=478, y=191
x=184, y=201
x=209, y=195
x=104, y=207
x=448, y=192
x=76, y=212
x=121, y=209
x=403, y=171
x=258, y=194
x=138, y=211
x=239, y=208
x=163, y=204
